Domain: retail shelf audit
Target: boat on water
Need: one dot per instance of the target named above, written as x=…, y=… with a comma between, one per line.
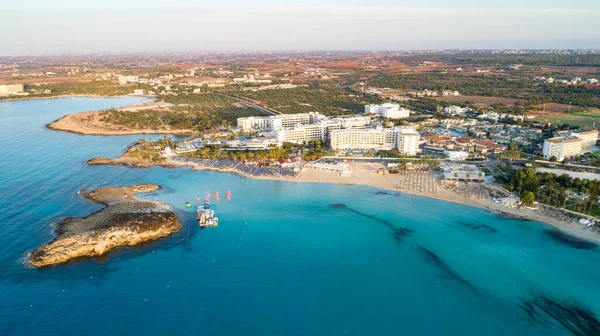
x=206, y=216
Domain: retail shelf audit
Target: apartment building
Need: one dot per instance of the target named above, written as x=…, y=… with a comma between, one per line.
x=562, y=147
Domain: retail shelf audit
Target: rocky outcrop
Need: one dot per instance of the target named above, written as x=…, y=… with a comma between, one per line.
x=125, y=221
x=101, y=160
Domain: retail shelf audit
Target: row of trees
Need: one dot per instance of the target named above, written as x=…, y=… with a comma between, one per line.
x=309, y=152
x=491, y=86
x=553, y=189
x=489, y=59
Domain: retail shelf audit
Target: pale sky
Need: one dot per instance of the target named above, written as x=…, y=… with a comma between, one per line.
x=81, y=26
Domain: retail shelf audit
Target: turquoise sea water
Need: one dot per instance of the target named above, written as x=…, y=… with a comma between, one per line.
x=286, y=259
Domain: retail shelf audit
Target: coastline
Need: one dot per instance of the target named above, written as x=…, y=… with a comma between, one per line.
x=22, y=98
x=89, y=122
x=371, y=179
x=125, y=220
x=546, y=216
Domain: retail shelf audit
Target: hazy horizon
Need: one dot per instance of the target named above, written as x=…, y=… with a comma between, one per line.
x=137, y=26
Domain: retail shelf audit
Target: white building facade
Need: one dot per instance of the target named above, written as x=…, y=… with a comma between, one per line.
x=7, y=90
x=387, y=110
x=405, y=140
x=562, y=147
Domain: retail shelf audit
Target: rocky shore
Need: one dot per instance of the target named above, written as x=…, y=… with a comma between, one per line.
x=124, y=221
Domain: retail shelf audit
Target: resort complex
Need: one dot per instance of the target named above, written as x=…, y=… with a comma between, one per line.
x=568, y=144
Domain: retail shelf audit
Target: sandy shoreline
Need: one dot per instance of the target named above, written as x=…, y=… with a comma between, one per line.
x=88, y=123
x=364, y=174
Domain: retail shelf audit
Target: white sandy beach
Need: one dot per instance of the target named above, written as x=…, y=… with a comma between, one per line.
x=366, y=174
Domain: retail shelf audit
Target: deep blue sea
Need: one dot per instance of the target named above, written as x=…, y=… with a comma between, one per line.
x=286, y=259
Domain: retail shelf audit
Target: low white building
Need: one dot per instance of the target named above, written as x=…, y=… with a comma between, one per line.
x=456, y=155
x=251, y=144
x=127, y=79
x=14, y=89
x=353, y=121
x=336, y=167
x=455, y=110
x=464, y=172
x=387, y=110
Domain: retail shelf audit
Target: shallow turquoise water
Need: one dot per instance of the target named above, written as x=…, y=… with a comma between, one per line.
x=309, y=259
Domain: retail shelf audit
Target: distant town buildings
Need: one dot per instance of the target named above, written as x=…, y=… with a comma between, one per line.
x=127, y=79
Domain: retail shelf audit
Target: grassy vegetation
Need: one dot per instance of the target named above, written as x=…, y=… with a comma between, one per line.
x=581, y=118
x=329, y=101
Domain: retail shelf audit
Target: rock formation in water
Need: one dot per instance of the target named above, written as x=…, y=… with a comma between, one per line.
x=124, y=221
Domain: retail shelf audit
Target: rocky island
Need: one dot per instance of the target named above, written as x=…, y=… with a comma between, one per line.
x=124, y=221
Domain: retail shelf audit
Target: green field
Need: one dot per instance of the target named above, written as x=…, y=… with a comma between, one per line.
x=588, y=117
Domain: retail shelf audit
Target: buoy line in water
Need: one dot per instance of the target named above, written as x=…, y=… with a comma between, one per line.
x=179, y=240
x=243, y=228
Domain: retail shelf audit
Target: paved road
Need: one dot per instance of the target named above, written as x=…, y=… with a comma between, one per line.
x=250, y=104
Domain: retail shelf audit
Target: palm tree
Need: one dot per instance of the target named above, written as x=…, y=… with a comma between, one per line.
x=562, y=194
x=578, y=203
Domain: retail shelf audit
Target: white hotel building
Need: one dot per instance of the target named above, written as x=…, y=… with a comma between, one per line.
x=305, y=133
x=569, y=144
x=404, y=139
x=274, y=123
x=387, y=110
x=562, y=147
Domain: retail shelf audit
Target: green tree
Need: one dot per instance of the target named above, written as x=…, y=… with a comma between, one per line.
x=527, y=198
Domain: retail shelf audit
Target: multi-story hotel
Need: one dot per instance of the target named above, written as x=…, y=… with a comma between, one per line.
x=408, y=141
x=305, y=133
x=589, y=138
x=387, y=110
x=405, y=140
x=569, y=144
x=274, y=123
x=562, y=147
